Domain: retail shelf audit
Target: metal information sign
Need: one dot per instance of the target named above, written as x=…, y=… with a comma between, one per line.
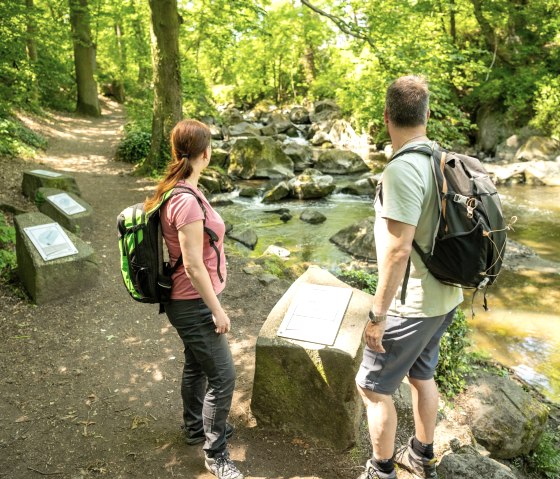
x=51, y=241
x=47, y=173
x=66, y=203
x=315, y=314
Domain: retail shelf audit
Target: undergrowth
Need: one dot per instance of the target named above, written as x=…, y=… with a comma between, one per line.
x=18, y=140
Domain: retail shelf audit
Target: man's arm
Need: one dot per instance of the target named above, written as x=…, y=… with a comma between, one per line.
x=392, y=268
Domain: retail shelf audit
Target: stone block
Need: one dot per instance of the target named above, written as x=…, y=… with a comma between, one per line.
x=307, y=388
x=35, y=179
x=58, y=278
x=76, y=222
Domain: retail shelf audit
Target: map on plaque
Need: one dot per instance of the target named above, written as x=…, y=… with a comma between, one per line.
x=46, y=173
x=51, y=241
x=315, y=314
x=66, y=203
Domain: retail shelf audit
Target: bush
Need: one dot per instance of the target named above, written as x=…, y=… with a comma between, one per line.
x=359, y=279
x=7, y=246
x=545, y=459
x=134, y=147
x=18, y=140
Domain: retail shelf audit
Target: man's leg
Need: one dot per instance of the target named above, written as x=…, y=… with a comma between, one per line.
x=425, y=400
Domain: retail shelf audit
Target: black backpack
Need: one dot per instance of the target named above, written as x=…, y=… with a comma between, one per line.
x=147, y=277
x=470, y=237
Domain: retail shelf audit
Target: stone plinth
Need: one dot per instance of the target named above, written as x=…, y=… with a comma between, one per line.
x=72, y=222
x=58, y=278
x=305, y=387
x=32, y=181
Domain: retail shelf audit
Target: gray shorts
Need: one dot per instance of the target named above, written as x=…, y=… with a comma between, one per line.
x=411, y=348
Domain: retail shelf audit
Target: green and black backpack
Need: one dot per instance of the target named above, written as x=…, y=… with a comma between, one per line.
x=147, y=277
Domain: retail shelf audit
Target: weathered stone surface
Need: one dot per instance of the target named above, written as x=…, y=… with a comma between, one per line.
x=308, y=186
x=337, y=132
x=305, y=387
x=504, y=418
x=357, y=239
x=232, y=116
x=59, y=278
x=244, y=129
x=247, y=237
x=277, y=193
x=340, y=162
x=491, y=130
x=541, y=172
x=280, y=121
x=467, y=463
x=299, y=115
x=219, y=158
x=312, y=217
x=33, y=181
x=538, y=148
x=259, y=157
x=301, y=155
x=216, y=182
x=325, y=110
x=75, y=223
x=249, y=192
x=274, y=250
x=269, y=130
x=359, y=187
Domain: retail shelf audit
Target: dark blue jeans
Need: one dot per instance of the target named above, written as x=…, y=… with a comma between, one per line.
x=208, y=375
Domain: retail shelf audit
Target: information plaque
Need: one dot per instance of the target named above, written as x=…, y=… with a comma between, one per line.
x=47, y=173
x=66, y=203
x=51, y=241
x=315, y=314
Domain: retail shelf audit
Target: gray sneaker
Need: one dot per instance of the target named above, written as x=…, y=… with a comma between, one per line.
x=372, y=473
x=421, y=467
x=222, y=466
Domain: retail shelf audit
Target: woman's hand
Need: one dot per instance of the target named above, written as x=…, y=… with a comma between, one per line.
x=222, y=322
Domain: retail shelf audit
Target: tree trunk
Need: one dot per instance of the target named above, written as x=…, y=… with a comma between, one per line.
x=452, y=22
x=118, y=83
x=31, y=31
x=167, y=80
x=84, y=58
x=141, y=46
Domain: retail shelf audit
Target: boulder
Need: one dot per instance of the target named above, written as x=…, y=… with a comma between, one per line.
x=232, y=116
x=357, y=239
x=60, y=206
x=312, y=217
x=57, y=278
x=325, y=110
x=299, y=115
x=219, y=158
x=244, y=129
x=491, y=130
x=35, y=179
x=248, y=192
x=504, y=418
x=340, y=162
x=506, y=150
x=538, y=148
x=307, y=186
x=259, y=157
x=274, y=250
x=360, y=187
x=247, y=237
x=468, y=463
x=280, y=122
x=545, y=173
x=216, y=132
x=337, y=132
x=301, y=155
x=216, y=182
x=268, y=130
x=278, y=192
x=298, y=385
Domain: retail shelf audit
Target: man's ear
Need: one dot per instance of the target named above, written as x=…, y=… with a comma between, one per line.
x=428, y=115
x=385, y=116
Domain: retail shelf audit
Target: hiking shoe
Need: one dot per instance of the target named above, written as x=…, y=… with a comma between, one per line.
x=420, y=466
x=372, y=473
x=199, y=438
x=222, y=466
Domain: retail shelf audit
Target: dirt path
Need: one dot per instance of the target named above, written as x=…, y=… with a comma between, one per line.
x=89, y=386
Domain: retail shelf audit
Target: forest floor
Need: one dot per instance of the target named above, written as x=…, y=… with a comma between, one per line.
x=90, y=385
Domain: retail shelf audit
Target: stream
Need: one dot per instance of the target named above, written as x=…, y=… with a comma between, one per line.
x=522, y=328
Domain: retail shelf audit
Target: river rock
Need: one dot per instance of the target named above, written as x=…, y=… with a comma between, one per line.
x=545, y=173
x=325, y=110
x=248, y=192
x=491, y=130
x=280, y=121
x=340, y=162
x=299, y=115
x=219, y=158
x=46, y=281
x=312, y=217
x=468, y=463
x=232, y=116
x=72, y=222
x=259, y=157
x=216, y=182
x=247, y=237
x=357, y=239
x=35, y=179
x=277, y=193
x=308, y=388
x=269, y=130
x=538, y=148
x=360, y=187
x=504, y=418
x=505, y=151
x=309, y=185
x=301, y=155
x=244, y=129
x=274, y=250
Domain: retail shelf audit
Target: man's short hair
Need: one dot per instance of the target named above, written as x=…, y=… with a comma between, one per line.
x=407, y=101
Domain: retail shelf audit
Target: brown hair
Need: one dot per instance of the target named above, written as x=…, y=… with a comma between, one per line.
x=189, y=139
x=407, y=101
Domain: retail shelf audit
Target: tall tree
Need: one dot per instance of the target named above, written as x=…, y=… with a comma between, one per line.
x=31, y=31
x=167, y=110
x=84, y=58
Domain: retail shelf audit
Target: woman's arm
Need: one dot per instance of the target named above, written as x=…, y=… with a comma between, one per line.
x=191, y=239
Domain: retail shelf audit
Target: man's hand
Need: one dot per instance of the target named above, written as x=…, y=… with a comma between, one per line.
x=374, y=334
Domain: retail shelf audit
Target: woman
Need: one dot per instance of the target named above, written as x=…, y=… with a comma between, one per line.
x=195, y=310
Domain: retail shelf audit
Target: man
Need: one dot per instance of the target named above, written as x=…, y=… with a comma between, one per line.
x=403, y=334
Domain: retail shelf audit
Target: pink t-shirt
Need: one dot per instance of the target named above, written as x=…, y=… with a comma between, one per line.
x=179, y=211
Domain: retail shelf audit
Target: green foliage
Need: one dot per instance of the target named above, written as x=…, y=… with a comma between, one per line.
x=455, y=362
x=359, y=279
x=7, y=247
x=18, y=140
x=135, y=146
x=545, y=459
x=546, y=106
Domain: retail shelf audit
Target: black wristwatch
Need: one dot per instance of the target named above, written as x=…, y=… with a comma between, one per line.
x=376, y=319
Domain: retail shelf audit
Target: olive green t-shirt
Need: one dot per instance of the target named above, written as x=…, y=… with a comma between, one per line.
x=409, y=196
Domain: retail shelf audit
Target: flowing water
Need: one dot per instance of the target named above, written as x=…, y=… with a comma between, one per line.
x=522, y=329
